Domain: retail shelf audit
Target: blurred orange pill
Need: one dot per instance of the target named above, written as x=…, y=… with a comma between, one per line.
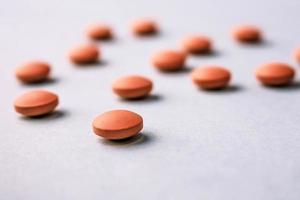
x=247, y=34
x=33, y=71
x=197, y=44
x=297, y=54
x=118, y=124
x=84, y=54
x=99, y=32
x=144, y=27
x=132, y=87
x=169, y=60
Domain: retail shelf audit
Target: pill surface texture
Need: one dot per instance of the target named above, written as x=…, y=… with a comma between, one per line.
x=84, y=54
x=211, y=77
x=169, y=60
x=34, y=71
x=275, y=74
x=132, y=87
x=247, y=34
x=118, y=124
x=99, y=32
x=144, y=27
x=197, y=44
x=36, y=103
x=297, y=54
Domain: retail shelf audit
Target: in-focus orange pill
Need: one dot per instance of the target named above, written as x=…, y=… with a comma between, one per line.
x=169, y=60
x=118, y=124
x=144, y=27
x=275, y=74
x=36, y=103
x=247, y=34
x=99, y=31
x=84, y=54
x=297, y=54
x=132, y=87
x=34, y=71
x=211, y=77
x=197, y=44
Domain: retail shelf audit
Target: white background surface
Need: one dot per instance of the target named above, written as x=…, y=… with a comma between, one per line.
x=242, y=143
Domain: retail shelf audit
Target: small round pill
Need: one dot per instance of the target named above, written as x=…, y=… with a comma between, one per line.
x=36, y=103
x=169, y=60
x=211, y=77
x=197, y=44
x=118, y=124
x=144, y=27
x=297, y=55
x=99, y=32
x=247, y=34
x=275, y=74
x=33, y=71
x=84, y=54
x=132, y=87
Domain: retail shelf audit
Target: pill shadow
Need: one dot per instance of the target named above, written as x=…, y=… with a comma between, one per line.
x=49, y=81
x=295, y=86
x=99, y=63
x=259, y=43
x=148, y=99
x=150, y=35
x=57, y=114
x=141, y=139
x=208, y=54
x=183, y=70
x=228, y=89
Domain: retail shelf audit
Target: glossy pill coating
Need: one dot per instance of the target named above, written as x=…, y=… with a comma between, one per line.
x=99, y=31
x=275, y=74
x=169, y=60
x=118, y=124
x=211, y=77
x=84, y=54
x=132, y=87
x=197, y=44
x=33, y=71
x=247, y=34
x=144, y=27
x=297, y=54
x=36, y=103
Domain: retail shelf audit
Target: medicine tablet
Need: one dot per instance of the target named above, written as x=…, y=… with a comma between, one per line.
x=169, y=60
x=84, y=54
x=36, y=103
x=132, y=87
x=275, y=74
x=33, y=71
x=211, y=77
x=247, y=34
x=144, y=27
x=297, y=55
x=99, y=32
x=197, y=44
x=118, y=124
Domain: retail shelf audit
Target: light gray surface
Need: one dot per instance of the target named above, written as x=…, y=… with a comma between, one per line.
x=239, y=144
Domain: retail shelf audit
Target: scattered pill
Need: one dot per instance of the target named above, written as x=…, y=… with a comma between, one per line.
x=275, y=74
x=211, y=77
x=34, y=71
x=169, y=60
x=144, y=27
x=247, y=34
x=132, y=87
x=84, y=54
x=197, y=44
x=117, y=124
x=297, y=55
x=36, y=103
x=99, y=32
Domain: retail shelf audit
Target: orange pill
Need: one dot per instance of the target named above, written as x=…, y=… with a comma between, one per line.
x=275, y=74
x=211, y=77
x=197, y=44
x=84, y=54
x=144, y=27
x=297, y=55
x=132, y=87
x=169, y=60
x=34, y=71
x=99, y=32
x=118, y=124
x=36, y=103
x=247, y=34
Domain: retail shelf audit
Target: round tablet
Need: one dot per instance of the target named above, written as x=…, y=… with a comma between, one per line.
x=144, y=27
x=118, y=124
x=211, y=77
x=99, y=32
x=34, y=71
x=169, y=60
x=132, y=87
x=84, y=54
x=247, y=34
x=36, y=103
x=297, y=55
x=275, y=74
x=197, y=44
